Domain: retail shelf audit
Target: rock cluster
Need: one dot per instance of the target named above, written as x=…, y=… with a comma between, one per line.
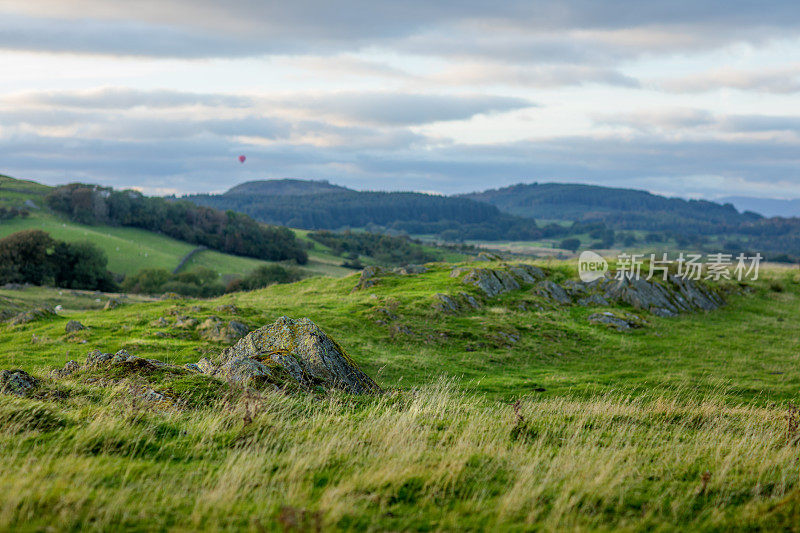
x=214, y=329
x=675, y=296
x=620, y=323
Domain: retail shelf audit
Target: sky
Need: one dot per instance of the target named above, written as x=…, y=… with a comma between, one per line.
x=696, y=99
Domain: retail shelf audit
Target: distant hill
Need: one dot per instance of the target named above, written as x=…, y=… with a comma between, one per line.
x=284, y=187
x=769, y=207
x=318, y=205
x=617, y=208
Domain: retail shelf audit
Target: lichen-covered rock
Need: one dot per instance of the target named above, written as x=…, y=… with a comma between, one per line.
x=243, y=371
x=112, y=303
x=228, y=308
x=552, y=291
x=410, y=270
x=620, y=323
x=73, y=326
x=369, y=276
x=17, y=382
x=526, y=273
x=69, y=368
x=677, y=295
x=471, y=301
x=491, y=282
x=445, y=303
x=186, y=322
x=34, y=314
x=574, y=288
x=593, y=300
x=214, y=329
x=301, y=350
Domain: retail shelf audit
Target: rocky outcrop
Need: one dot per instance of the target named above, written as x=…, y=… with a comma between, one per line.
x=445, y=303
x=491, y=282
x=670, y=298
x=38, y=313
x=73, y=326
x=549, y=290
x=17, y=382
x=369, y=277
x=214, y=329
x=527, y=273
x=298, y=349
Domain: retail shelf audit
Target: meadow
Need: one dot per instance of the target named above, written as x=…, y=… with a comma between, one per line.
x=687, y=423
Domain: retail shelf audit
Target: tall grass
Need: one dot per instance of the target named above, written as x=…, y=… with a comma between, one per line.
x=435, y=457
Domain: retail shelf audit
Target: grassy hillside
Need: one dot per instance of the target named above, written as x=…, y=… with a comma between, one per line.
x=679, y=425
x=130, y=249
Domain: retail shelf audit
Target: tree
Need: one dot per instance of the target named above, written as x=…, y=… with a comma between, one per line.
x=24, y=258
x=81, y=265
x=572, y=244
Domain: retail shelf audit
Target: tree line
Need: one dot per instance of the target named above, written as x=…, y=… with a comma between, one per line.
x=225, y=231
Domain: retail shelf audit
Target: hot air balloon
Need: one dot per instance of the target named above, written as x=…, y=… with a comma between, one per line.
x=242, y=158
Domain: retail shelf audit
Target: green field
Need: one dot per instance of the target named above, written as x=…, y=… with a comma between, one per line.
x=685, y=424
x=131, y=249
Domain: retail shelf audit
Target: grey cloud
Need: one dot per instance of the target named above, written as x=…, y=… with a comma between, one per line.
x=206, y=28
x=207, y=163
x=778, y=81
x=126, y=98
x=407, y=109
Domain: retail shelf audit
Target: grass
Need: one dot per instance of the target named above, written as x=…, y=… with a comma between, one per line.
x=686, y=424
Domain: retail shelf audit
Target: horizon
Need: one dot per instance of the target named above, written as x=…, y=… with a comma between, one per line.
x=690, y=102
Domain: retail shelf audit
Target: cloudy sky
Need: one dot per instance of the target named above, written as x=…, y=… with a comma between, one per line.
x=688, y=98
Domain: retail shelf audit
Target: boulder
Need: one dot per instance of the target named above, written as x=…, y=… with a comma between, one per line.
x=34, y=314
x=627, y=323
x=677, y=295
x=214, y=329
x=410, y=270
x=488, y=256
x=552, y=291
x=369, y=276
x=186, y=322
x=73, y=326
x=112, y=303
x=228, y=308
x=17, y=382
x=297, y=348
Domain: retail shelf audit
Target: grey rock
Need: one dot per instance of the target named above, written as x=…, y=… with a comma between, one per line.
x=471, y=301
x=369, y=277
x=17, y=382
x=73, y=325
x=526, y=273
x=243, y=370
x=214, y=329
x=491, y=282
x=112, y=303
x=552, y=291
x=160, y=322
x=186, y=322
x=488, y=256
x=575, y=288
x=593, y=300
x=410, y=270
x=304, y=351
x=228, y=308
x=611, y=320
x=445, y=303
x=38, y=313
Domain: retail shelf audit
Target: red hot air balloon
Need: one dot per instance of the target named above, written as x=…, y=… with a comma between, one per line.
x=242, y=158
